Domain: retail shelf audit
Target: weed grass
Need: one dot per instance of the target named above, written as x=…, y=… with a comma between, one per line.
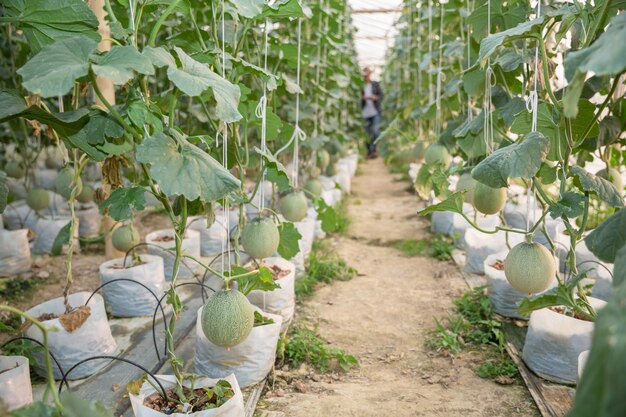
x=439, y=247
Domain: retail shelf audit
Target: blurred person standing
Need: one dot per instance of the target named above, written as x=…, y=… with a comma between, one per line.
x=371, y=99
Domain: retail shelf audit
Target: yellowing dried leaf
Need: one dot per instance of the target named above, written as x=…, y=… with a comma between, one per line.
x=75, y=319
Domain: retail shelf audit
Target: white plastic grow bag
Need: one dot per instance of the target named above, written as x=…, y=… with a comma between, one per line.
x=460, y=225
x=57, y=206
x=166, y=250
x=93, y=338
x=342, y=178
x=234, y=407
x=15, y=388
x=250, y=361
x=45, y=178
x=88, y=219
x=211, y=238
x=603, y=282
x=281, y=300
x=554, y=342
x=414, y=169
x=311, y=214
x=14, y=252
x=128, y=299
x=47, y=229
x=582, y=362
x=478, y=246
x=18, y=215
x=306, y=228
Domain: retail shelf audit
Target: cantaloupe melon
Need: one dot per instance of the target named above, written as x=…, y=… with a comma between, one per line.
x=467, y=184
x=260, y=238
x=14, y=169
x=87, y=194
x=227, y=318
x=530, y=268
x=65, y=182
x=38, y=199
x=437, y=154
x=323, y=158
x=418, y=152
x=614, y=177
x=314, y=188
x=125, y=237
x=293, y=206
x=314, y=172
x=488, y=200
x=331, y=170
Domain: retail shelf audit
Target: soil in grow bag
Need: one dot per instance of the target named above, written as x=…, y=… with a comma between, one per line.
x=561, y=310
x=201, y=399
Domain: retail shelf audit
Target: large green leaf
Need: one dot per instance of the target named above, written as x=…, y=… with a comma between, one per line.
x=600, y=392
x=519, y=160
x=570, y=204
x=289, y=237
x=524, y=30
x=119, y=63
x=275, y=170
x=45, y=22
x=4, y=191
x=52, y=71
x=606, y=56
x=286, y=9
x=74, y=406
x=607, y=239
x=454, y=203
x=181, y=168
x=123, y=201
x=194, y=78
x=248, y=8
x=605, y=189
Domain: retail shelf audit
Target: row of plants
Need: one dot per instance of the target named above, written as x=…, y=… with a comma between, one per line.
x=510, y=119
x=236, y=119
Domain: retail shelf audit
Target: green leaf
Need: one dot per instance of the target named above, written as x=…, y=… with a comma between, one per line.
x=570, y=204
x=474, y=82
x=159, y=57
x=4, y=191
x=262, y=280
x=605, y=189
x=572, y=95
x=248, y=8
x=11, y=104
x=52, y=71
x=276, y=171
x=327, y=215
x=524, y=30
x=608, y=238
x=600, y=392
x=181, y=168
x=289, y=237
x=267, y=77
x=119, y=63
x=519, y=160
x=73, y=406
x=454, y=203
x=36, y=409
x=62, y=238
x=123, y=201
x=547, y=174
x=579, y=123
x=45, y=22
x=605, y=56
x=282, y=9
x=194, y=78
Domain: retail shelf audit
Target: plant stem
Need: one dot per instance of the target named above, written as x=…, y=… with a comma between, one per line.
x=110, y=108
x=160, y=21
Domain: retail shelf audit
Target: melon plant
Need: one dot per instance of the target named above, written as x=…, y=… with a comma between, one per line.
x=313, y=188
x=488, y=200
x=466, y=184
x=614, y=177
x=125, y=237
x=260, y=238
x=227, y=318
x=437, y=154
x=293, y=206
x=64, y=183
x=530, y=267
x=38, y=199
x=14, y=169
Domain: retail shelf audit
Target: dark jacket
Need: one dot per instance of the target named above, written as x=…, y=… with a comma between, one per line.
x=377, y=91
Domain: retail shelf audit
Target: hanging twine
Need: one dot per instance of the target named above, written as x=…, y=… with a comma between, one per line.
x=440, y=77
x=490, y=81
x=261, y=113
x=430, y=49
x=470, y=115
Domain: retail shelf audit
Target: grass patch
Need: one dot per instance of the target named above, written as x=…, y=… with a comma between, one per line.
x=343, y=220
x=305, y=345
x=439, y=247
x=325, y=266
x=474, y=326
x=18, y=288
x=399, y=168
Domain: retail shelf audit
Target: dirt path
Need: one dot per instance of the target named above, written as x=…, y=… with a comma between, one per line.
x=383, y=317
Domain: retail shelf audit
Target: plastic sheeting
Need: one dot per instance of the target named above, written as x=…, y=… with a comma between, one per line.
x=93, y=338
x=45, y=178
x=234, y=407
x=282, y=300
x=128, y=299
x=88, y=220
x=166, y=250
x=478, y=246
x=47, y=229
x=18, y=215
x=603, y=285
x=555, y=341
x=14, y=252
x=15, y=388
x=250, y=361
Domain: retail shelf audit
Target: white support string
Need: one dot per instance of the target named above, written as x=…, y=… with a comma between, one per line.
x=430, y=49
x=470, y=114
x=261, y=112
x=440, y=76
x=226, y=206
x=490, y=81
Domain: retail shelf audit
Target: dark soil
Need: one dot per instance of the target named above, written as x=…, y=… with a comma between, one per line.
x=499, y=265
x=573, y=314
x=199, y=401
x=278, y=272
x=164, y=239
x=128, y=266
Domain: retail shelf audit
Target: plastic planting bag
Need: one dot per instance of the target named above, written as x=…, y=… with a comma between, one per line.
x=603, y=282
x=45, y=178
x=234, y=407
x=211, y=238
x=47, y=229
x=555, y=341
x=282, y=300
x=250, y=361
x=18, y=215
x=15, y=388
x=342, y=178
x=14, y=252
x=306, y=228
x=162, y=243
x=128, y=299
x=311, y=214
x=88, y=220
x=92, y=338
x=478, y=246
